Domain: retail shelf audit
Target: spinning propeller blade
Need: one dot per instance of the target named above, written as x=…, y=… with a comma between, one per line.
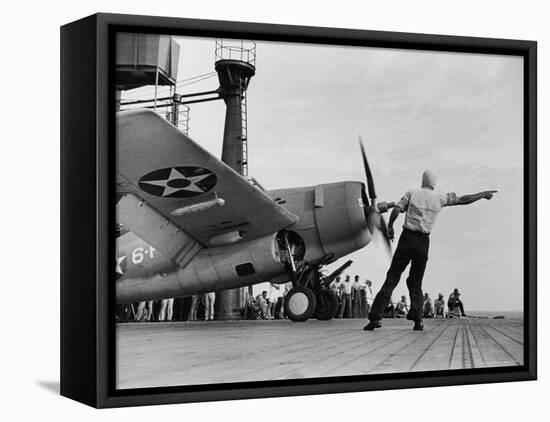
x=375, y=220
x=368, y=173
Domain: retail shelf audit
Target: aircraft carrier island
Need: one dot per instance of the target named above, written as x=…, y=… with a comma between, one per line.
x=191, y=353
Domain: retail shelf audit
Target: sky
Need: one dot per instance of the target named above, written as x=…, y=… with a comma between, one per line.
x=458, y=114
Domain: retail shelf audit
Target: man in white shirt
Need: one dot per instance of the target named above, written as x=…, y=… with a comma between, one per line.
x=335, y=285
x=365, y=292
x=421, y=205
x=345, y=288
x=439, y=305
x=428, y=306
x=401, y=307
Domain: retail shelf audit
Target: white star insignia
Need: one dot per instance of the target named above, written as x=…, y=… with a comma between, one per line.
x=178, y=182
x=119, y=261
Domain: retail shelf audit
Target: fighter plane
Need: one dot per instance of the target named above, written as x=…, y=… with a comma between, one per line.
x=190, y=224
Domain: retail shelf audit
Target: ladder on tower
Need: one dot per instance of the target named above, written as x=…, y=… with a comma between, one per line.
x=244, y=138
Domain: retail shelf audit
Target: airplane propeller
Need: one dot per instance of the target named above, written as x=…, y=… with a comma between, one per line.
x=375, y=220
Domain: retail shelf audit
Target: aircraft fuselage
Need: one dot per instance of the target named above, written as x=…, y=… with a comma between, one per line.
x=331, y=223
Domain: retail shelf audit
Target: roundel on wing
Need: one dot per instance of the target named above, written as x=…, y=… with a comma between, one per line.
x=178, y=182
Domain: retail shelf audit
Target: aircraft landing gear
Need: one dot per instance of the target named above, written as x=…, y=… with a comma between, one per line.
x=327, y=305
x=308, y=296
x=300, y=303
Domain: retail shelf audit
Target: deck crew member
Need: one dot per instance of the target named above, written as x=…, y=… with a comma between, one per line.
x=428, y=306
x=193, y=309
x=335, y=286
x=144, y=311
x=364, y=298
x=401, y=308
x=356, y=297
x=345, y=307
x=166, y=311
x=455, y=303
x=439, y=305
x=209, y=300
x=421, y=206
x=263, y=303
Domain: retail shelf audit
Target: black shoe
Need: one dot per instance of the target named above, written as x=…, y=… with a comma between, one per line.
x=372, y=325
x=418, y=326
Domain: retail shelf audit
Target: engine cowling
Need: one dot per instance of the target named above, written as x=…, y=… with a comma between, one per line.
x=331, y=218
x=341, y=221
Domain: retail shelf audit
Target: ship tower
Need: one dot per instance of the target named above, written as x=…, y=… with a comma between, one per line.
x=235, y=65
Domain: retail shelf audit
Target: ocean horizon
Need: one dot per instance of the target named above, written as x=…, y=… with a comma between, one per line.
x=492, y=314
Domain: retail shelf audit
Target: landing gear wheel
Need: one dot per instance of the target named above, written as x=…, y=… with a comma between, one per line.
x=300, y=303
x=327, y=305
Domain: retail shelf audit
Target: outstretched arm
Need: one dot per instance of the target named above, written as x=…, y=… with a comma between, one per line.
x=468, y=199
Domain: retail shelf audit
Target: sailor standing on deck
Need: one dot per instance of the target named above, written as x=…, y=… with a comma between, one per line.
x=335, y=286
x=209, y=300
x=346, y=290
x=421, y=206
x=356, y=297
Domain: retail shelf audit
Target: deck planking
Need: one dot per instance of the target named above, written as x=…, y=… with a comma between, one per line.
x=183, y=353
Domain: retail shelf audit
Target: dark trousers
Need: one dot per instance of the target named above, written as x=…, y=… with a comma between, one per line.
x=364, y=304
x=412, y=248
x=356, y=301
x=345, y=306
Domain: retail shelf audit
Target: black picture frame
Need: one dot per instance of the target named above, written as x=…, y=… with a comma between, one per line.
x=87, y=214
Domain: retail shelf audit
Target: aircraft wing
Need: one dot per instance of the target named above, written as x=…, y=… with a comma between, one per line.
x=187, y=185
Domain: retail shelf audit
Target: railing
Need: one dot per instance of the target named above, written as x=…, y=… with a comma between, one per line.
x=180, y=119
x=183, y=120
x=241, y=50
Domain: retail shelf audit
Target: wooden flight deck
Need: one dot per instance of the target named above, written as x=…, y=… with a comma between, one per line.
x=187, y=353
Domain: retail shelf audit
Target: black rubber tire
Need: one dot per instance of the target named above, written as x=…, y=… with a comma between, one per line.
x=300, y=304
x=327, y=305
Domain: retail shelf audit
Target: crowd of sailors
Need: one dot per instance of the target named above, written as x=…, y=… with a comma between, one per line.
x=354, y=301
